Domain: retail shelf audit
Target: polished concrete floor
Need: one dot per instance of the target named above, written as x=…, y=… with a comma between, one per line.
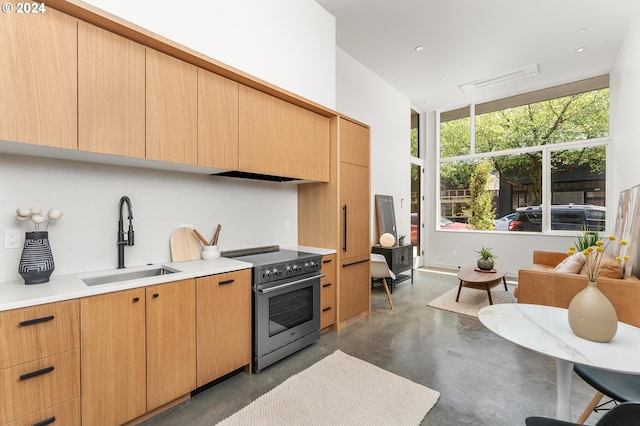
x=482, y=378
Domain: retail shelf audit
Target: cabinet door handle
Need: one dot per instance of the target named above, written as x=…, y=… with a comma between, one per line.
x=328, y=308
x=226, y=282
x=327, y=261
x=355, y=263
x=36, y=321
x=36, y=373
x=45, y=422
x=136, y=299
x=326, y=285
x=155, y=295
x=344, y=212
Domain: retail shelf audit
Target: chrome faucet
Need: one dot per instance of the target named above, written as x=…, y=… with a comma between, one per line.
x=122, y=241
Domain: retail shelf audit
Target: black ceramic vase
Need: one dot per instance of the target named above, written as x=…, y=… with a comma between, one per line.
x=36, y=262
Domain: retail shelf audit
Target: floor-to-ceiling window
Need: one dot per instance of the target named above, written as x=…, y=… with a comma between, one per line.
x=534, y=162
x=417, y=197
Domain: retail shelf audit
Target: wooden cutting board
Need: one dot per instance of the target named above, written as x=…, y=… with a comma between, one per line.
x=184, y=245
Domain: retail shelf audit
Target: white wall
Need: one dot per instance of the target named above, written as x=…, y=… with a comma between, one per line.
x=289, y=43
x=625, y=109
x=364, y=96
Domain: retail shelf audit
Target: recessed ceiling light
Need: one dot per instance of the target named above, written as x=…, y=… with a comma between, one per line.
x=419, y=48
x=445, y=78
x=582, y=30
x=580, y=49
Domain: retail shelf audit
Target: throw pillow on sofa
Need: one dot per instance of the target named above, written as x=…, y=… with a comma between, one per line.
x=572, y=264
x=607, y=268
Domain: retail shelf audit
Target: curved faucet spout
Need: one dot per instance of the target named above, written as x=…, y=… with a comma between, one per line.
x=122, y=241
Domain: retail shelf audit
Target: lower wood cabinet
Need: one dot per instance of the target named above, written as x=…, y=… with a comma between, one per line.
x=65, y=414
x=36, y=385
x=138, y=351
x=224, y=324
x=113, y=366
x=328, y=292
x=171, y=342
x=355, y=291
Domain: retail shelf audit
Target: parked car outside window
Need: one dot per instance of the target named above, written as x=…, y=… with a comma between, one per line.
x=572, y=217
x=448, y=224
x=502, y=224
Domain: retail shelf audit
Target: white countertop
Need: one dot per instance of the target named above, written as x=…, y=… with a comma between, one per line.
x=16, y=294
x=314, y=250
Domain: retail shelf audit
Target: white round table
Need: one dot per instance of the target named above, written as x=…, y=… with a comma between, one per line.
x=545, y=329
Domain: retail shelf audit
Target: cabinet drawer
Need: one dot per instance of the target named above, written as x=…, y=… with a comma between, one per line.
x=31, y=333
x=329, y=267
x=65, y=414
x=34, y=386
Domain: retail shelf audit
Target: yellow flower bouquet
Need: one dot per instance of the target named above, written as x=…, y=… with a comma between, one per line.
x=596, y=258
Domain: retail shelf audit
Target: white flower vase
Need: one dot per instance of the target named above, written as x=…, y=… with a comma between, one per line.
x=592, y=316
x=210, y=253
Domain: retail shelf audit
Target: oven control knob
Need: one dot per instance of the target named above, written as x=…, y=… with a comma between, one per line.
x=278, y=273
x=267, y=273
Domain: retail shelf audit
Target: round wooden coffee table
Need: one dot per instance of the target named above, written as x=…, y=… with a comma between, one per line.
x=472, y=277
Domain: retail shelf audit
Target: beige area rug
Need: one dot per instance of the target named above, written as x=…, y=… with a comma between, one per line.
x=471, y=300
x=339, y=390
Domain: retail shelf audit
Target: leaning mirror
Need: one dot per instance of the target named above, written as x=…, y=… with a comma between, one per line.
x=386, y=215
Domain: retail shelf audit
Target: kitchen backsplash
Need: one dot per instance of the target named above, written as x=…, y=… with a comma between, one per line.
x=252, y=213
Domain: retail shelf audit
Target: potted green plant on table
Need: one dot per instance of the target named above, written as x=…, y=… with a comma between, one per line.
x=486, y=258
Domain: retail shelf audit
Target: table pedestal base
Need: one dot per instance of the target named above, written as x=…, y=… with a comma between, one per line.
x=564, y=373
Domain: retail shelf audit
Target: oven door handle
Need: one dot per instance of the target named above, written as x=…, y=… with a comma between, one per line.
x=279, y=287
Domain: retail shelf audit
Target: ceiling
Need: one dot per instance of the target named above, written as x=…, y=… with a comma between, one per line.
x=468, y=40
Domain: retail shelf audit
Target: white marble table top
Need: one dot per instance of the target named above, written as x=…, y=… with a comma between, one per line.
x=546, y=330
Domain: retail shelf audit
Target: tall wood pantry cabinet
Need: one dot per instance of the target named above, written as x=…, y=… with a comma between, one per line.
x=336, y=215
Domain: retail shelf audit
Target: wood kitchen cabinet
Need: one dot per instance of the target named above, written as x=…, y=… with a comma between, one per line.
x=281, y=139
x=217, y=121
x=328, y=292
x=171, y=341
x=223, y=313
x=38, y=82
x=172, y=109
x=40, y=364
x=138, y=351
x=336, y=215
x=111, y=93
x=113, y=357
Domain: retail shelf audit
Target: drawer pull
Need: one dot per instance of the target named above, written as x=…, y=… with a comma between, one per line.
x=226, y=282
x=327, y=261
x=328, y=308
x=46, y=421
x=327, y=285
x=136, y=299
x=36, y=321
x=156, y=295
x=36, y=373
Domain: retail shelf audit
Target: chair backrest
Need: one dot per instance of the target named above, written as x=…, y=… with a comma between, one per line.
x=379, y=267
x=625, y=414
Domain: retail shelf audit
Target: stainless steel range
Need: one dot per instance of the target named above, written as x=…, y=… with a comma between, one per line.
x=286, y=301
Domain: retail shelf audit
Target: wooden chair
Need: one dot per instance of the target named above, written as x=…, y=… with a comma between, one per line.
x=380, y=269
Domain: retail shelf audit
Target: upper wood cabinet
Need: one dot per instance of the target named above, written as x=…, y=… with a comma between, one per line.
x=38, y=82
x=111, y=93
x=281, y=139
x=217, y=121
x=172, y=109
x=354, y=143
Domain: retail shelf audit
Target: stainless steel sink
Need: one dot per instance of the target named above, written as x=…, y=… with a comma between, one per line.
x=128, y=276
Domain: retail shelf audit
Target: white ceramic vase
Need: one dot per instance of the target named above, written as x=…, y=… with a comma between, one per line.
x=210, y=253
x=592, y=316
